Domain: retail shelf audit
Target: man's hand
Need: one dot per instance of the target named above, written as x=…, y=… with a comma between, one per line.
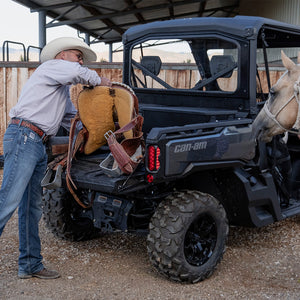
x=105, y=81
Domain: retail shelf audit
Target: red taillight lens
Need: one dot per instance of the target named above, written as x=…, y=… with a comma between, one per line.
x=157, y=158
x=150, y=178
x=153, y=158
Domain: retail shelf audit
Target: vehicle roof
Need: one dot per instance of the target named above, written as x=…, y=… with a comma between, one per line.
x=242, y=26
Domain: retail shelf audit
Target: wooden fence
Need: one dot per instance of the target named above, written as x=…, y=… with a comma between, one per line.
x=13, y=76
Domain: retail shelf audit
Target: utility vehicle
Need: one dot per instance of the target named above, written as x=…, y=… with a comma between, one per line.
x=202, y=171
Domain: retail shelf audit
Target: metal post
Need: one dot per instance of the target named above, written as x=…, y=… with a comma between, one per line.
x=110, y=58
x=87, y=39
x=42, y=29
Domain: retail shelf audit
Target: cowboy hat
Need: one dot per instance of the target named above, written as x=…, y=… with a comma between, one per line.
x=67, y=43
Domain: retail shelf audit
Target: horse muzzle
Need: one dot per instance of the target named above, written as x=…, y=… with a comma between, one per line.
x=263, y=128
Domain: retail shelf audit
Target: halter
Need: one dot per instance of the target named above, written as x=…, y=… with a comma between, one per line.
x=274, y=116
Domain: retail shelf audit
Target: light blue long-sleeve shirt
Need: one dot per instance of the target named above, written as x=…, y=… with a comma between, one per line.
x=45, y=99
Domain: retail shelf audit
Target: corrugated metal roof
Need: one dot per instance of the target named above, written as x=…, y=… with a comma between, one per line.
x=107, y=20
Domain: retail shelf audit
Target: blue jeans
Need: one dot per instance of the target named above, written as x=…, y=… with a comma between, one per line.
x=25, y=162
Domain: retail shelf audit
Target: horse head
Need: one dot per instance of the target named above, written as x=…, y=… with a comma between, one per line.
x=280, y=111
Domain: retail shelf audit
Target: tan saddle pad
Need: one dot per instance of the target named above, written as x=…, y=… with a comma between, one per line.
x=100, y=107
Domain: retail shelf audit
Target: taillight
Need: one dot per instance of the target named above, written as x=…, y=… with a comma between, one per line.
x=157, y=162
x=153, y=158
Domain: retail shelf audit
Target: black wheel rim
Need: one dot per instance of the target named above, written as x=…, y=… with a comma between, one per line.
x=200, y=240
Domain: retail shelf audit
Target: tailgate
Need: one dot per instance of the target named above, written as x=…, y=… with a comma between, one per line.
x=195, y=147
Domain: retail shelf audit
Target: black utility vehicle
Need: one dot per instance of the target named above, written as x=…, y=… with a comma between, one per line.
x=202, y=172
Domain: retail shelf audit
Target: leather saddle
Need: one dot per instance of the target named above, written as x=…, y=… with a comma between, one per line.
x=109, y=115
x=101, y=108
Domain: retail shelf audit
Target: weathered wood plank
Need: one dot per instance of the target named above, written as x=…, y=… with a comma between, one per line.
x=22, y=77
x=11, y=89
x=171, y=78
x=183, y=79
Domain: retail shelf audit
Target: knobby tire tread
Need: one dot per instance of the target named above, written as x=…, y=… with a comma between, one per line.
x=167, y=232
x=57, y=216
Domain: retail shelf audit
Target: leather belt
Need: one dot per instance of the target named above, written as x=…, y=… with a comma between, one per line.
x=31, y=126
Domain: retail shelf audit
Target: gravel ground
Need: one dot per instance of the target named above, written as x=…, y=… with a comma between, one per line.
x=258, y=264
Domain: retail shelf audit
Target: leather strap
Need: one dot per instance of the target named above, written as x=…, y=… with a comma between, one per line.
x=59, y=160
x=73, y=148
x=122, y=152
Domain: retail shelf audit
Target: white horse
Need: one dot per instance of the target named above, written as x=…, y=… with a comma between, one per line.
x=280, y=112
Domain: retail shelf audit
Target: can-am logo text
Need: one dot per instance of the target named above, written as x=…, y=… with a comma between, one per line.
x=190, y=147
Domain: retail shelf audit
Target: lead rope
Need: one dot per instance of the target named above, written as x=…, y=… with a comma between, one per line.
x=274, y=116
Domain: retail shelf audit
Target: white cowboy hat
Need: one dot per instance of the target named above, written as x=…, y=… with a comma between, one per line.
x=67, y=43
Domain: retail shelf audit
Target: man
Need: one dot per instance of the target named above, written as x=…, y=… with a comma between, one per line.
x=38, y=114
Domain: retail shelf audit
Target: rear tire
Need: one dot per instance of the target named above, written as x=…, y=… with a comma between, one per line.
x=187, y=236
x=62, y=216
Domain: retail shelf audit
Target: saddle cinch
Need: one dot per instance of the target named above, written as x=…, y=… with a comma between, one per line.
x=109, y=115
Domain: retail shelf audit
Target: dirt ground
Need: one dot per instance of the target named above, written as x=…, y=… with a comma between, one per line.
x=258, y=264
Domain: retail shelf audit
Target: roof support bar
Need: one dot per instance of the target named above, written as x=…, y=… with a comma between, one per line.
x=87, y=39
x=42, y=29
x=110, y=59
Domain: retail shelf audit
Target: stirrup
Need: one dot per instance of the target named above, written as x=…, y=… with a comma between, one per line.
x=56, y=183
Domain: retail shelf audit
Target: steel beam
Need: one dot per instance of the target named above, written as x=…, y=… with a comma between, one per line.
x=42, y=29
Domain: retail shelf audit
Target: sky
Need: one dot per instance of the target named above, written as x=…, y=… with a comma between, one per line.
x=18, y=24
